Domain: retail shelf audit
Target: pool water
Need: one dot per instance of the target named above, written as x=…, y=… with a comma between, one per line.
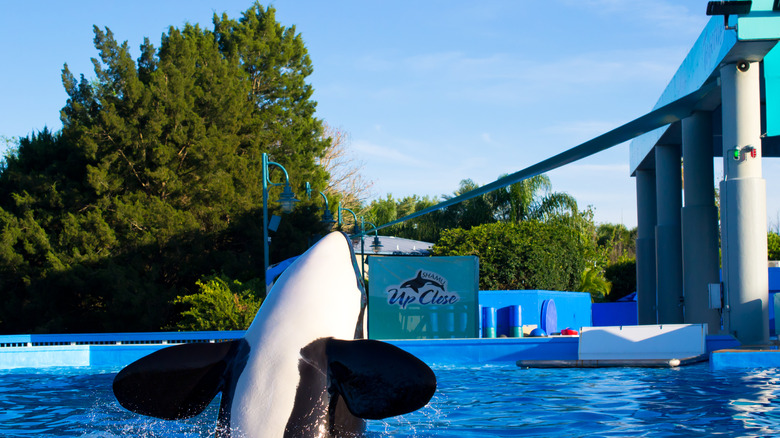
x=487, y=401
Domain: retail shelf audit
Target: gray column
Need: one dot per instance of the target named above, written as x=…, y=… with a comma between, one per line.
x=699, y=222
x=743, y=206
x=645, y=246
x=668, y=232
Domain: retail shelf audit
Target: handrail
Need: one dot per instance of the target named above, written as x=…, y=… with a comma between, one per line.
x=38, y=340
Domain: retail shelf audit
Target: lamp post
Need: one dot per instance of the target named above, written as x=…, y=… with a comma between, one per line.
x=376, y=245
x=354, y=231
x=327, y=216
x=286, y=199
x=354, y=216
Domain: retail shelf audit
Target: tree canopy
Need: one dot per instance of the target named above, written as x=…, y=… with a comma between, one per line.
x=155, y=178
x=528, y=255
x=529, y=199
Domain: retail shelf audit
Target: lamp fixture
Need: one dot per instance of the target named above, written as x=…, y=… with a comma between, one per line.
x=376, y=245
x=327, y=216
x=355, y=227
x=287, y=199
x=734, y=7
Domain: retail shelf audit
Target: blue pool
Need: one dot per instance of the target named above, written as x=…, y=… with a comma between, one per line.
x=487, y=401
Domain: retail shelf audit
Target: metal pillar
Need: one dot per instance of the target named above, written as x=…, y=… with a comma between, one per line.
x=668, y=233
x=699, y=222
x=743, y=206
x=645, y=246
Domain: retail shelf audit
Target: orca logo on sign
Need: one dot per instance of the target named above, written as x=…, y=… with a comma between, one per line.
x=425, y=289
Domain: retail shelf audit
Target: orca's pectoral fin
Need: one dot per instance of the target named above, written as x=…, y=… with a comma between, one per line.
x=175, y=382
x=378, y=380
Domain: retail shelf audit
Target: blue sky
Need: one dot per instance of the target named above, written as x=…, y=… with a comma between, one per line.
x=430, y=92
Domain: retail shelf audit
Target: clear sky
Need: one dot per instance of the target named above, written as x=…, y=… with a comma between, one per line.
x=430, y=92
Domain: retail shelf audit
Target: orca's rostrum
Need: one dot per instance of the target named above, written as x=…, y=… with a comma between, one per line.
x=302, y=369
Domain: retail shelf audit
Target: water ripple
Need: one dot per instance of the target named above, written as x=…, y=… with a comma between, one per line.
x=488, y=401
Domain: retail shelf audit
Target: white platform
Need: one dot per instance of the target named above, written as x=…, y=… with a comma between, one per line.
x=643, y=342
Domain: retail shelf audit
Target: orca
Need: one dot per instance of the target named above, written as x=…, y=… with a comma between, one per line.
x=303, y=368
x=418, y=283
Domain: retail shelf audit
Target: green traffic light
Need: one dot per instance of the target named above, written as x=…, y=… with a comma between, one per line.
x=736, y=154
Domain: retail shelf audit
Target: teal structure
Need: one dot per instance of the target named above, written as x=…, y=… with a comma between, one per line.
x=734, y=69
x=722, y=102
x=423, y=297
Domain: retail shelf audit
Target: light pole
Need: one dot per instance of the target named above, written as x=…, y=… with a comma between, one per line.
x=376, y=245
x=327, y=216
x=354, y=231
x=286, y=199
x=354, y=216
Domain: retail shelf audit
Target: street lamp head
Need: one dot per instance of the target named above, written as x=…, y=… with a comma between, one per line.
x=287, y=199
x=376, y=245
x=327, y=218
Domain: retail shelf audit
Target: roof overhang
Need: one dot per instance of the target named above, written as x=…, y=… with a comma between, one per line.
x=755, y=35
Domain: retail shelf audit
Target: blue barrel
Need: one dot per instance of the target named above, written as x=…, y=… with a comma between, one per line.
x=515, y=321
x=489, y=322
x=480, y=318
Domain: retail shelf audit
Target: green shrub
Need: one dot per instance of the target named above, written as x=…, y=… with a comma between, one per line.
x=773, y=246
x=593, y=282
x=525, y=255
x=622, y=275
x=221, y=304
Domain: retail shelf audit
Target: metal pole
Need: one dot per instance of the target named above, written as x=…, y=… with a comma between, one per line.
x=288, y=204
x=362, y=249
x=265, y=218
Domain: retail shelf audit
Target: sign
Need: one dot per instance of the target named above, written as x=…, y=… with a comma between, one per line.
x=422, y=297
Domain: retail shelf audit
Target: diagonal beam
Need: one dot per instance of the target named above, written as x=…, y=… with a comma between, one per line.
x=665, y=115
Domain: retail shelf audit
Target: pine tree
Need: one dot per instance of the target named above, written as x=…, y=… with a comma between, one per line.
x=155, y=179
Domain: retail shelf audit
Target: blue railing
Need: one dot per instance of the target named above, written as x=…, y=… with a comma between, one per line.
x=161, y=338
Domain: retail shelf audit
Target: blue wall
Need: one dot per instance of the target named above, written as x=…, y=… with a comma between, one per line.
x=612, y=314
x=774, y=288
x=468, y=352
x=573, y=307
